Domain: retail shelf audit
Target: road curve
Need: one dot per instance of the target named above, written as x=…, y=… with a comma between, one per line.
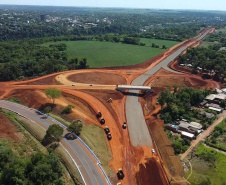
x=85, y=162
x=138, y=131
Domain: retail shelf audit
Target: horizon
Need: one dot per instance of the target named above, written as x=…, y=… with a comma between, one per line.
x=173, y=5
x=132, y=8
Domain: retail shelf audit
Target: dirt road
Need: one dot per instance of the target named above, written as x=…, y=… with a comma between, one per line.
x=205, y=134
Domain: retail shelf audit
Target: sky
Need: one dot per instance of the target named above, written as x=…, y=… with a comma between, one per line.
x=152, y=4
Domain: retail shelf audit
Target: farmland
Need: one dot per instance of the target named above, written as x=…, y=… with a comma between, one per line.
x=107, y=54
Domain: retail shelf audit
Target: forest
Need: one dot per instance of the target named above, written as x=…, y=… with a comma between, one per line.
x=38, y=169
x=209, y=60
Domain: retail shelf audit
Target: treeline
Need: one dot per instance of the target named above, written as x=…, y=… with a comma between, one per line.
x=178, y=104
x=27, y=59
x=38, y=169
x=210, y=60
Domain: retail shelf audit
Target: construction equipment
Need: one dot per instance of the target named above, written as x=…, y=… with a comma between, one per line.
x=120, y=174
x=124, y=126
x=102, y=121
x=107, y=130
x=99, y=114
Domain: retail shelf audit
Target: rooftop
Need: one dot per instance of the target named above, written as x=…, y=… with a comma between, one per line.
x=210, y=97
x=187, y=134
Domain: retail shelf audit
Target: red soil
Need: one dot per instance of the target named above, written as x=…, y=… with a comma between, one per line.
x=151, y=172
x=137, y=163
x=97, y=78
x=8, y=129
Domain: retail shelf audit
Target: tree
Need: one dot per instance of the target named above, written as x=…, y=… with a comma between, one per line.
x=55, y=130
x=76, y=127
x=53, y=93
x=67, y=109
x=47, y=110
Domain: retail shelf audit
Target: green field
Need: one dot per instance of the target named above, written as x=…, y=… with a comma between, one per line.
x=204, y=171
x=106, y=54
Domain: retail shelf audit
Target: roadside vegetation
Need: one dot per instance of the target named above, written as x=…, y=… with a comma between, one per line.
x=209, y=58
x=218, y=138
x=94, y=137
x=208, y=167
x=27, y=161
x=179, y=104
x=182, y=104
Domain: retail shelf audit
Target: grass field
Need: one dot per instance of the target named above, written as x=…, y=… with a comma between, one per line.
x=107, y=54
x=203, y=171
x=95, y=138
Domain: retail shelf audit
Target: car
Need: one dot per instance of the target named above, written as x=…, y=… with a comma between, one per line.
x=90, y=84
x=153, y=150
x=73, y=84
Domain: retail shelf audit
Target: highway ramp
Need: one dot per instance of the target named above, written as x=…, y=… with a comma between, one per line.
x=87, y=164
x=138, y=130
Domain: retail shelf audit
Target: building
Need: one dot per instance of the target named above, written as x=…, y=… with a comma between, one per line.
x=187, y=135
x=215, y=98
x=208, y=115
x=171, y=127
x=215, y=109
x=189, y=127
x=43, y=18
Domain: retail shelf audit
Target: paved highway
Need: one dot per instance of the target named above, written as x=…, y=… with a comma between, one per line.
x=138, y=131
x=87, y=164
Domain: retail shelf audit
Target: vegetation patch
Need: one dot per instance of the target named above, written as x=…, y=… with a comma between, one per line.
x=108, y=54
x=95, y=138
x=209, y=167
x=218, y=138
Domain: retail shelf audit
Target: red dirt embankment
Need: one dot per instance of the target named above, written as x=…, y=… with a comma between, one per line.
x=98, y=78
x=8, y=129
x=150, y=173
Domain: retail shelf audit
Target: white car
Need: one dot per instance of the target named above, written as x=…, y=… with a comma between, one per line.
x=73, y=84
x=153, y=150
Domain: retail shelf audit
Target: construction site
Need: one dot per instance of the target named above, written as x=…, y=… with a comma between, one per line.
x=108, y=97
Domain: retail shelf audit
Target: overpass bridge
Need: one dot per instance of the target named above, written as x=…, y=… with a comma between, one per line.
x=132, y=87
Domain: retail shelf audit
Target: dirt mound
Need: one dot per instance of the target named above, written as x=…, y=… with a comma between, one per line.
x=8, y=129
x=150, y=173
x=45, y=81
x=195, y=82
x=38, y=100
x=97, y=78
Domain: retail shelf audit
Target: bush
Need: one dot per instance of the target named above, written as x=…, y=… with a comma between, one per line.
x=67, y=109
x=76, y=127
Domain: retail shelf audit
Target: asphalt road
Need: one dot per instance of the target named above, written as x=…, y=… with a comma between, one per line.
x=86, y=163
x=138, y=131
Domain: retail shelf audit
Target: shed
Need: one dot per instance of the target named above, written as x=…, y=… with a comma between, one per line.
x=187, y=135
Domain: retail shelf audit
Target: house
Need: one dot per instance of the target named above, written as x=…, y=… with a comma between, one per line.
x=215, y=98
x=208, y=115
x=189, y=127
x=172, y=127
x=215, y=109
x=187, y=135
x=202, y=104
x=213, y=105
x=210, y=98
